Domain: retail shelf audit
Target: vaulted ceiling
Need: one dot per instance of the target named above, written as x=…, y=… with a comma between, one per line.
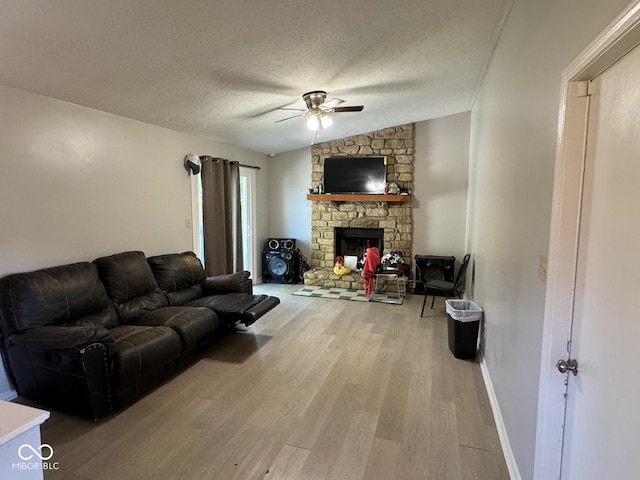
x=222, y=68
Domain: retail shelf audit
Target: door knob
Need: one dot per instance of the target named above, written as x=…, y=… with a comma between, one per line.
x=565, y=366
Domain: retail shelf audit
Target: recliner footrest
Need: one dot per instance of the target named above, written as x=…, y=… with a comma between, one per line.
x=259, y=309
x=237, y=307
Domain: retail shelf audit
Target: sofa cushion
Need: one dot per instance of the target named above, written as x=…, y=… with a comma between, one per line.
x=184, y=296
x=130, y=285
x=66, y=295
x=179, y=275
x=196, y=327
x=143, y=354
x=175, y=271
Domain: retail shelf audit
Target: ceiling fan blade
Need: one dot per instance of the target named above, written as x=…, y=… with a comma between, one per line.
x=332, y=102
x=355, y=108
x=271, y=110
x=289, y=118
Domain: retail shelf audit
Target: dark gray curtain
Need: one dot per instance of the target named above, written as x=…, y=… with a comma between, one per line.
x=222, y=226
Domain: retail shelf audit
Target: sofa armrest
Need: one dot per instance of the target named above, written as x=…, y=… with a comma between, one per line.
x=60, y=338
x=238, y=282
x=68, y=368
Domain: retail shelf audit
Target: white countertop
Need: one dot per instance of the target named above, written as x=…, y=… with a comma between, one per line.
x=16, y=419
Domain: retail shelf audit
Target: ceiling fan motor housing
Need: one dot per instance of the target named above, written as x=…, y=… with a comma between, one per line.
x=314, y=99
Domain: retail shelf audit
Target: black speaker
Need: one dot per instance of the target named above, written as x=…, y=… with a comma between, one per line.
x=432, y=267
x=280, y=266
x=280, y=244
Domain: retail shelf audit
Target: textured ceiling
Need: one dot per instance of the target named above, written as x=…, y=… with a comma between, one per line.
x=221, y=68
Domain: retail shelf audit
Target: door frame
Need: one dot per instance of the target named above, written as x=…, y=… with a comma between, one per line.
x=250, y=173
x=196, y=216
x=620, y=37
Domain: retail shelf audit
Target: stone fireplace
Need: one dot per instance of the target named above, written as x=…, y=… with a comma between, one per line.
x=394, y=219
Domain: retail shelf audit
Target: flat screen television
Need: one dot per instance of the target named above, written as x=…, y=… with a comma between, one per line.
x=355, y=174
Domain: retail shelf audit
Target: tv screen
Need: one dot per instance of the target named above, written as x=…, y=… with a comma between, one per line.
x=355, y=174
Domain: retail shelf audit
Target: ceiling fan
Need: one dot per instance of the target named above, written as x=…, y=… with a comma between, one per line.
x=318, y=108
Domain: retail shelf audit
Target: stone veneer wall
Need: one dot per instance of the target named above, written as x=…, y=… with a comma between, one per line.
x=397, y=143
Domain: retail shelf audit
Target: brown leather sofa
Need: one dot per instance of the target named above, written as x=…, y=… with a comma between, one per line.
x=89, y=338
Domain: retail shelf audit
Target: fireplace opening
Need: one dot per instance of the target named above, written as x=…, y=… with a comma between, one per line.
x=353, y=241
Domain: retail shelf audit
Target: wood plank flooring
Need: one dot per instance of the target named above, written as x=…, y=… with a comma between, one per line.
x=316, y=389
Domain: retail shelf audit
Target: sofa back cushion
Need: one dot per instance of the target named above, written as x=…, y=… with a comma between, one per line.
x=71, y=295
x=179, y=275
x=130, y=285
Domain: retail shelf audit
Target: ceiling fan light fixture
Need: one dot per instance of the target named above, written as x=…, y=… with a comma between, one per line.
x=313, y=123
x=326, y=121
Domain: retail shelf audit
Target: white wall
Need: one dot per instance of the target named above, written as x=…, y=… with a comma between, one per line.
x=290, y=179
x=76, y=183
x=513, y=139
x=441, y=181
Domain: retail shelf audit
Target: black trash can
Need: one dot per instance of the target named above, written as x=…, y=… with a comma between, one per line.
x=463, y=321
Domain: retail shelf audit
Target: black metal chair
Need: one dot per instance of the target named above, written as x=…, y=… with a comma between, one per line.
x=441, y=288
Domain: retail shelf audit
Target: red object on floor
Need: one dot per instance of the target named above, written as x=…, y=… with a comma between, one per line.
x=371, y=261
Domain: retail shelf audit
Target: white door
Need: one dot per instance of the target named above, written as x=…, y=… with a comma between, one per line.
x=602, y=423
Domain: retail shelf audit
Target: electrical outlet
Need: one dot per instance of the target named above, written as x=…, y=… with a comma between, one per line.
x=187, y=222
x=542, y=267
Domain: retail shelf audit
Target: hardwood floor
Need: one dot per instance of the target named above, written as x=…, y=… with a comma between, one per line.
x=316, y=389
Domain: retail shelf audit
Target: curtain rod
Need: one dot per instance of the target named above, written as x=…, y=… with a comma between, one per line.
x=249, y=166
x=241, y=164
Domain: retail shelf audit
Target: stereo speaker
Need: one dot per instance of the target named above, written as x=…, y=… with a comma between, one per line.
x=280, y=244
x=280, y=266
x=432, y=267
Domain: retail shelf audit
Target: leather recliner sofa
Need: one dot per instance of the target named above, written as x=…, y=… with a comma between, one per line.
x=89, y=338
x=182, y=278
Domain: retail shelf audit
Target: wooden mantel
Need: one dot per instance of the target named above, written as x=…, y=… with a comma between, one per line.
x=357, y=197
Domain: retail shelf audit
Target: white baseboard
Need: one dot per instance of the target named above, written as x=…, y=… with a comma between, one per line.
x=8, y=395
x=512, y=466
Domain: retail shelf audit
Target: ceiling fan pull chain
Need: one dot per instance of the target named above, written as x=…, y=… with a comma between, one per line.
x=315, y=136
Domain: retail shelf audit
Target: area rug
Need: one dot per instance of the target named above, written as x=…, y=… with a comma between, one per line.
x=348, y=294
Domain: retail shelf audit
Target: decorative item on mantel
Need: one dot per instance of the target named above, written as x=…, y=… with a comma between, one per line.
x=393, y=262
